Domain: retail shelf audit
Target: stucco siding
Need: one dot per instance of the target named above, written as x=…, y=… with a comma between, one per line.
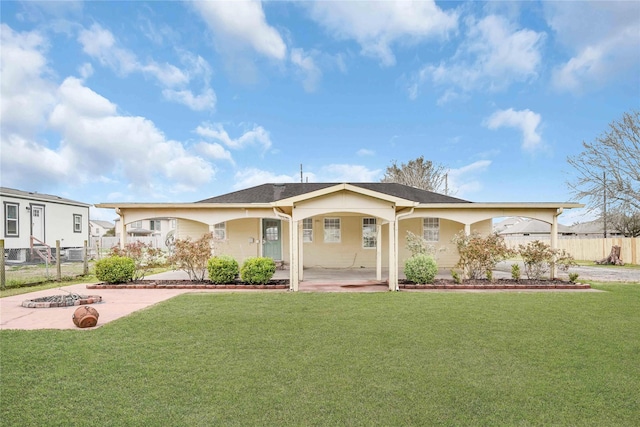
x=243, y=239
x=349, y=252
x=446, y=253
x=193, y=229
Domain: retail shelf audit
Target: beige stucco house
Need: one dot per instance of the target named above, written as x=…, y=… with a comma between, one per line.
x=335, y=225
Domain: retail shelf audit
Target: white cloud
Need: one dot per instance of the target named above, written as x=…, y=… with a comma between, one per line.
x=251, y=177
x=464, y=180
x=308, y=68
x=101, y=44
x=206, y=100
x=365, y=152
x=603, y=37
x=243, y=23
x=375, y=26
x=256, y=136
x=525, y=120
x=26, y=95
x=213, y=151
x=494, y=55
x=348, y=173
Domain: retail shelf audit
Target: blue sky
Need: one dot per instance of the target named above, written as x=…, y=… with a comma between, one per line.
x=179, y=101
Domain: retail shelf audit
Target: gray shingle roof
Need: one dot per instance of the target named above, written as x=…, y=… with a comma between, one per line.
x=39, y=196
x=267, y=193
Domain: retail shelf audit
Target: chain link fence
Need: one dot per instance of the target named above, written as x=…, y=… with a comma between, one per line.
x=25, y=266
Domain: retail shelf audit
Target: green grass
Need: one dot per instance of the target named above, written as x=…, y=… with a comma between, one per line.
x=337, y=359
x=22, y=288
x=593, y=264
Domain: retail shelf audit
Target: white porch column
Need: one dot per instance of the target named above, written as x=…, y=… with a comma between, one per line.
x=393, y=257
x=554, y=244
x=123, y=229
x=212, y=231
x=467, y=229
x=294, y=272
x=300, y=251
x=378, y=252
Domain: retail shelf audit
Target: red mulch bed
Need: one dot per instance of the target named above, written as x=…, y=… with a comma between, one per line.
x=403, y=284
x=187, y=284
x=496, y=284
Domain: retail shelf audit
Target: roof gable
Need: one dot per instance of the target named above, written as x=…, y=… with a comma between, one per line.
x=270, y=193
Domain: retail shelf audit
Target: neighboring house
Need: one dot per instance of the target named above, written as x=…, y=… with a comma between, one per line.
x=593, y=229
x=335, y=225
x=525, y=227
x=155, y=227
x=33, y=221
x=98, y=228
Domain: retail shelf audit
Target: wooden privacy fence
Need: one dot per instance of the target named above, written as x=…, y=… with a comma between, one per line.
x=589, y=249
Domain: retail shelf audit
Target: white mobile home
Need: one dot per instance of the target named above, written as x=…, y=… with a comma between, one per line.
x=34, y=220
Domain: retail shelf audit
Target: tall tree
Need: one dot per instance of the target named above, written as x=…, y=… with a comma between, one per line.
x=419, y=173
x=624, y=220
x=610, y=166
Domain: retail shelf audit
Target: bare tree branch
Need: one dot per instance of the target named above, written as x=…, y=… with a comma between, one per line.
x=419, y=173
x=615, y=153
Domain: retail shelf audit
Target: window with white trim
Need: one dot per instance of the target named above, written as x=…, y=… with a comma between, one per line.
x=220, y=231
x=154, y=225
x=77, y=223
x=307, y=230
x=431, y=229
x=136, y=224
x=332, y=230
x=369, y=233
x=11, y=219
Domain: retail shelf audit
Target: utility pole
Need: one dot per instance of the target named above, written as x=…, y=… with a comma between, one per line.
x=446, y=183
x=604, y=210
x=301, y=179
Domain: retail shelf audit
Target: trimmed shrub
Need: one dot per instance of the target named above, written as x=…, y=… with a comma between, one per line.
x=515, y=272
x=115, y=269
x=538, y=259
x=257, y=270
x=456, y=277
x=421, y=268
x=144, y=255
x=222, y=269
x=479, y=254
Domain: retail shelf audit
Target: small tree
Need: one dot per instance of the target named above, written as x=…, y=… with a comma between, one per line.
x=418, y=245
x=478, y=254
x=192, y=256
x=539, y=258
x=144, y=256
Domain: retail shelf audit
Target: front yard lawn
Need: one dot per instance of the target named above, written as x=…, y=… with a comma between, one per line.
x=355, y=359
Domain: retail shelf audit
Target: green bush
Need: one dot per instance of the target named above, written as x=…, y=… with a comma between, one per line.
x=421, y=268
x=456, y=277
x=115, y=269
x=257, y=270
x=222, y=269
x=515, y=272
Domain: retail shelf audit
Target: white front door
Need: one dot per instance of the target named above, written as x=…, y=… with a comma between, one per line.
x=37, y=222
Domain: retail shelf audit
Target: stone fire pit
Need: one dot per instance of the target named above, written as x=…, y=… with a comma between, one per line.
x=61, y=301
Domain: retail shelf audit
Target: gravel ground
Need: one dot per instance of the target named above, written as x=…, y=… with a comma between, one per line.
x=600, y=274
